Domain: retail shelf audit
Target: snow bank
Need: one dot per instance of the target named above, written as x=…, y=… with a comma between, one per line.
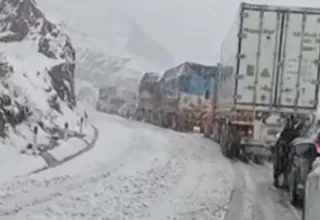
x=13, y=164
x=89, y=134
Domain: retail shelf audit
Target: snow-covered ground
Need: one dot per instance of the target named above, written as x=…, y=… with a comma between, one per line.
x=14, y=164
x=139, y=171
x=255, y=198
x=135, y=171
x=71, y=147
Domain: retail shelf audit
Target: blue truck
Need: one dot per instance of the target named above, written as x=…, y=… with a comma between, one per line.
x=180, y=85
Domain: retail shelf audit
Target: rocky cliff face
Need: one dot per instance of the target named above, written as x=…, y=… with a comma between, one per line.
x=117, y=54
x=37, y=64
x=21, y=20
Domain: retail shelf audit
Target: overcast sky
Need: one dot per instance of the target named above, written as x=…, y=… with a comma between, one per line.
x=190, y=29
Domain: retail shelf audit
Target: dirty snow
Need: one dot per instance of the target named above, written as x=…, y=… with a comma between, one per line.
x=135, y=171
x=255, y=197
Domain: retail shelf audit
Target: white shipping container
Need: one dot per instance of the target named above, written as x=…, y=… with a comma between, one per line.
x=270, y=60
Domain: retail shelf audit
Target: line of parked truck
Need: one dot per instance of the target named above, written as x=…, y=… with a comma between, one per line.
x=262, y=96
x=267, y=92
x=259, y=102
x=180, y=99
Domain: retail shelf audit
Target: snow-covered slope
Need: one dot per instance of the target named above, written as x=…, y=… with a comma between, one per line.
x=37, y=63
x=110, y=47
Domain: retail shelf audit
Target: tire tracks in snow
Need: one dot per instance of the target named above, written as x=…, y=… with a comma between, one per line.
x=47, y=190
x=236, y=205
x=105, y=175
x=254, y=197
x=276, y=201
x=198, y=194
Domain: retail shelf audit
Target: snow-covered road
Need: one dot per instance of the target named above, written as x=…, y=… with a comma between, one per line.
x=254, y=196
x=135, y=171
x=139, y=171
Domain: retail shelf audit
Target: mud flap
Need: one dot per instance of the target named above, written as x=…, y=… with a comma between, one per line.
x=242, y=154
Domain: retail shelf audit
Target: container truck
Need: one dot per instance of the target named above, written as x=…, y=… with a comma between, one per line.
x=146, y=94
x=190, y=86
x=269, y=70
x=104, y=98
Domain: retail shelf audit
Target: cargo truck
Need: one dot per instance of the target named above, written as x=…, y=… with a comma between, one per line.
x=189, y=88
x=269, y=70
x=146, y=94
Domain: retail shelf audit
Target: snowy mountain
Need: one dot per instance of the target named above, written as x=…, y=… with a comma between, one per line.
x=111, y=48
x=37, y=64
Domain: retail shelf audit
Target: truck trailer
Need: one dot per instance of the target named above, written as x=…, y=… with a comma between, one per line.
x=269, y=70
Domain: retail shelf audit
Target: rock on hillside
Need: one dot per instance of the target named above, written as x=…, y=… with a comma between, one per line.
x=37, y=63
x=21, y=20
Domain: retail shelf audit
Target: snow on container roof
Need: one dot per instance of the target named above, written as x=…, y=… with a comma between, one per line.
x=280, y=8
x=187, y=68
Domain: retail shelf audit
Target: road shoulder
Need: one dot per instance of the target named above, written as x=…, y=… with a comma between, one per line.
x=89, y=146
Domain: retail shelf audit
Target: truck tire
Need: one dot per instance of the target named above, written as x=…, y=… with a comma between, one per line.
x=223, y=142
x=294, y=199
x=275, y=179
x=217, y=133
x=230, y=150
x=201, y=128
x=229, y=144
x=256, y=159
x=242, y=154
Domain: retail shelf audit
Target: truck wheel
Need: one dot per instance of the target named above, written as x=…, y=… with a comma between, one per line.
x=201, y=129
x=223, y=143
x=228, y=149
x=294, y=199
x=217, y=133
x=256, y=159
x=276, y=180
x=242, y=154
